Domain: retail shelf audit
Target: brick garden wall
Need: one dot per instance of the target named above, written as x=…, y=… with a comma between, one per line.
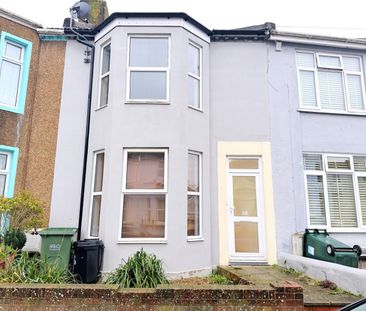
x=280, y=296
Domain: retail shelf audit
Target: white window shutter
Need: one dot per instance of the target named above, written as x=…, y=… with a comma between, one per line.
x=307, y=88
x=355, y=96
x=362, y=192
x=316, y=200
x=313, y=162
x=342, y=205
x=331, y=90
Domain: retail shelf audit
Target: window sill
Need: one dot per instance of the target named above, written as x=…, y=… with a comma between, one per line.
x=101, y=108
x=195, y=108
x=195, y=239
x=146, y=102
x=142, y=241
x=345, y=113
x=11, y=109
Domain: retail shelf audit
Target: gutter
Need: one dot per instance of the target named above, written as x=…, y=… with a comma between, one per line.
x=346, y=43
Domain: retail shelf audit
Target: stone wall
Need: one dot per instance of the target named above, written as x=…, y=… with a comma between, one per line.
x=279, y=296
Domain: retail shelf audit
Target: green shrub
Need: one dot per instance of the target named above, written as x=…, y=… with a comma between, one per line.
x=15, y=238
x=24, y=211
x=33, y=270
x=142, y=270
x=216, y=278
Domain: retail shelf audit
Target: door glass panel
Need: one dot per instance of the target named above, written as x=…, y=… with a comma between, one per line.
x=251, y=164
x=245, y=201
x=246, y=237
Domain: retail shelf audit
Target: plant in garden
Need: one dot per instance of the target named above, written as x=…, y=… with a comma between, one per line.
x=6, y=252
x=25, y=269
x=15, y=238
x=142, y=270
x=216, y=278
x=24, y=211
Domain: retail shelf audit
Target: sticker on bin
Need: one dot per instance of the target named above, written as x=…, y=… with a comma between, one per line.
x=54, y=247
x=311, y=250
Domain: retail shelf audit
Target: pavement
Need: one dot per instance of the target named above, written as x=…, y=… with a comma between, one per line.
x=314, y=294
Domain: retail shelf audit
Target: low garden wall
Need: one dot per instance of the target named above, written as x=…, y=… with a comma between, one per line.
x=279, y=296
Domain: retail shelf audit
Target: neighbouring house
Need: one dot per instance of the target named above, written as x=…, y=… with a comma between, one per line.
x=31, y=73
x=208, y=147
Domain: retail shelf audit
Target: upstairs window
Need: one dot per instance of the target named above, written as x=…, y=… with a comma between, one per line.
x=148, y=69
x=329, y=82
x=194, y=76
x=14, y=69
x=104, y=75
x=336, y=191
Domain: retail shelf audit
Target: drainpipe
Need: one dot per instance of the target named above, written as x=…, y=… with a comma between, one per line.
x=83, y=40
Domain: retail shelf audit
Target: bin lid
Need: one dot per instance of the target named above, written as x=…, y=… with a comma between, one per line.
x=89, y=243
x=58, y=231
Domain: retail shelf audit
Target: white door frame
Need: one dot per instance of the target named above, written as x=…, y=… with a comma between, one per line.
x=257, y=173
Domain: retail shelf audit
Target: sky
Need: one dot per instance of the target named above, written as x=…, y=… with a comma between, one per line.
x=338, y=18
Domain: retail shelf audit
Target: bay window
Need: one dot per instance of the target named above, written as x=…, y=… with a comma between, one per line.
x=194, y=209
x=148, y=69
x=144, y=194
x=336, y=190
x=96, y=199
x=330, y=82
x=194, y=76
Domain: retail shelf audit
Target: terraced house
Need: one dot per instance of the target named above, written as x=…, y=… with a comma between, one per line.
x=208, y=147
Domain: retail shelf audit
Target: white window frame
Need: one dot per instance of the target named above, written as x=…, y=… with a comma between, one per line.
x=198, y=237
x=317, y=68
x=6, y=171
x=95, y=193
x=126, y=191
x=147, y=69
x=101, y=75
x=355, y=174
x=199, y=78
x=16, y=62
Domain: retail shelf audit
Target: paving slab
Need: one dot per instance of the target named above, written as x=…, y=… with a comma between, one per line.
x=314, y=294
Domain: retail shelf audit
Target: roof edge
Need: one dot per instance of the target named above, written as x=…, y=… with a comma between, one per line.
x=167, y=15
x=20, y=19
x=317, y=39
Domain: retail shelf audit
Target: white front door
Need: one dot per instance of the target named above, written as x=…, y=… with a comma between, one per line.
x=245, y=211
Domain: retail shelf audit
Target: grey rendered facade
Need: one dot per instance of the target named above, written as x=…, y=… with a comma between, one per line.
x=249, y=110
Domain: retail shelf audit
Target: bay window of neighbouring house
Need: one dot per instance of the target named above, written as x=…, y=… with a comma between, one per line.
x=148, y=69
x=144, y=194
x=194, y=209
x=330, y=82
x=15, y=56
x=336, y=191
x=8, y=165
x=104, y=75
x=96, y=198
x=194, y=76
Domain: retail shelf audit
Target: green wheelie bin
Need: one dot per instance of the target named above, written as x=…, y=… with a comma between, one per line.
x=319, y=245
x=56, y=245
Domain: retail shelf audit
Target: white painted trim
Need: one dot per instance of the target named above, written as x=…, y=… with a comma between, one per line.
x=6, y=171
x=148, y=69
x=355, y=174
x=153, y=22
x=97, y=193
x=126, y=191
x=199, y=194
x=199, y=77
x=318, y=68
x=259, y=219
x=101, y=75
